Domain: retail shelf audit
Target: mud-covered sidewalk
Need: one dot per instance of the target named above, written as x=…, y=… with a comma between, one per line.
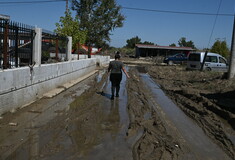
x=83, y=123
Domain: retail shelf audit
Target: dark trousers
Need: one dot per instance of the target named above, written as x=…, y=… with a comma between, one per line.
x=115, y=79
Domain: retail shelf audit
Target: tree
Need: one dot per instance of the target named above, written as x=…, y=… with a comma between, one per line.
x=172, y=45
x=69, y=26
x=183, y=43
x=103, y=45
x=131, y=42
x=221, y=48
x=147, y=42
x=205, y=49
x=98, y=18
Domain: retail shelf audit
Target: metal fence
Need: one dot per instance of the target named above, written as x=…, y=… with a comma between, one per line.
x=53, y=47
x=16, y=44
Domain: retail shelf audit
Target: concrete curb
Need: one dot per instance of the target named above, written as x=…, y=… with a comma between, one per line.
x=65, y=86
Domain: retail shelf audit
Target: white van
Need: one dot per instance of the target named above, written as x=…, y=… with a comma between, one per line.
x=213, y=62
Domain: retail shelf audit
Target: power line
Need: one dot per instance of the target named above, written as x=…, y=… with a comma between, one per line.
x=27, y=2
x=128, y=8
x=177, y=12
x=212, y=31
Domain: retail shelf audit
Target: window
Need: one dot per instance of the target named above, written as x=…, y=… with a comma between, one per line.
x=194, y=57
x=212, y=59
x=221, y=60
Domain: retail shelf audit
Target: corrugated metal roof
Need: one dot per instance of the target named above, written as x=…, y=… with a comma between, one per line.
x=164, y=47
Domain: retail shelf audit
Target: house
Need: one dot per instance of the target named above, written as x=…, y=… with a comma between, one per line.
x=143, y=50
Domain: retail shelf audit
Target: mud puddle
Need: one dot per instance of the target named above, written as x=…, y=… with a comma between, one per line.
x=199, y=143
x=73, y=126
x=22, y=136
x=105, y=138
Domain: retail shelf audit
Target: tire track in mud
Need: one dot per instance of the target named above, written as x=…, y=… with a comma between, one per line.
x=159, y=140
x=202, y=112
x=205, y=112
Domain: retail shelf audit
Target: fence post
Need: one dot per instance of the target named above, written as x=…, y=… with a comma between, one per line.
x=16, y=45
x=57, y=49
x=37, y=47
x=69, y=48
x=5, y=46
x=78, y=48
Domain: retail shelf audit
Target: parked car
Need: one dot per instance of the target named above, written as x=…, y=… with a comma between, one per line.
x=213, y=61
x=178, y=58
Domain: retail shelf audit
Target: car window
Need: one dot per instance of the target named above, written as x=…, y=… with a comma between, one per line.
x=221, y=60
x=212, y=59
x=194, y=57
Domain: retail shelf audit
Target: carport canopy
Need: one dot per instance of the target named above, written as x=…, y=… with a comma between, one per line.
x=143, y=50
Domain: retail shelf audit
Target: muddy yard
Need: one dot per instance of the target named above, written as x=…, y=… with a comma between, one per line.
x=134, y=126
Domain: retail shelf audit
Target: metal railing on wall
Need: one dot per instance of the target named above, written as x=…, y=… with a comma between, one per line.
x=53, y=47
x=16, y=44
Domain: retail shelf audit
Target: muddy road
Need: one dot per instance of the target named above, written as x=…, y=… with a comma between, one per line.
x=142, y=124
x=206, y=97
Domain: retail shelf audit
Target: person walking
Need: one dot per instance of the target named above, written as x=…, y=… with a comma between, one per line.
x=116, y=67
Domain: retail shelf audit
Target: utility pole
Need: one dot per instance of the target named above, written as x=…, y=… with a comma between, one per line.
x=204, y=60
x=231, y=71
x=67, y=6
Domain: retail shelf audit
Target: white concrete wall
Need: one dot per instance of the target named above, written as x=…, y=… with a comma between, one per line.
x=102, y=60
x=20, y=86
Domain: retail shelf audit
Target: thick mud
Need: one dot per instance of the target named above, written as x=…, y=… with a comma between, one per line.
x=159, y=140
x=206, y=97
x=26, y=132
x=134, y=126
x=71, y=125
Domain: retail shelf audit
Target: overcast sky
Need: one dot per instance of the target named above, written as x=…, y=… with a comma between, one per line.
x=164, y=25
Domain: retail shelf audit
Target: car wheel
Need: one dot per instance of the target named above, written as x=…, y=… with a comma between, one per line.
x=208, y=69
x=170, y=63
